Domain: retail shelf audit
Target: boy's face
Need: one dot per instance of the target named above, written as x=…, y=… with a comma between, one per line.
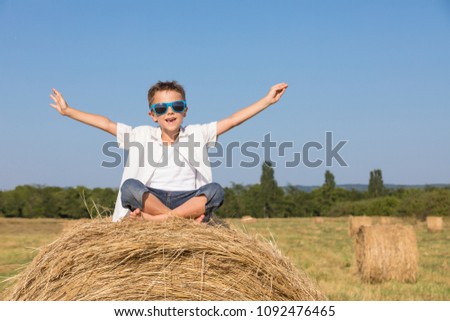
x=170, y=121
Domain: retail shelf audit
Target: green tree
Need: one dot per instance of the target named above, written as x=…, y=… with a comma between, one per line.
x=231, y=206
x=327, y=192
x=423, y=202
x=329, y=184
x=271, y=194
x=253, y=201
x=298, y=202
x=376, y=185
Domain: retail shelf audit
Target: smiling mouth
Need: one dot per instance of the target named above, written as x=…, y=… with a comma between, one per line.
x=171, y=120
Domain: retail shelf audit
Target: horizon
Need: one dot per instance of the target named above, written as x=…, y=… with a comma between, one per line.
x=388, y=185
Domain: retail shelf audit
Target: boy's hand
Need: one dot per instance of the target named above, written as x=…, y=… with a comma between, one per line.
x=275, y=93
x=60, y=103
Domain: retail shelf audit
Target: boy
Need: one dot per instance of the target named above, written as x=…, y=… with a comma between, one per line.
x=161, y=179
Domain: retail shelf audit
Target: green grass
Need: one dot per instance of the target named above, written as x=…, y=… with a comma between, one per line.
x=323, y=250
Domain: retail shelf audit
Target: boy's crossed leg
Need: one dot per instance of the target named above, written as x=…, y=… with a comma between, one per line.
x=154, y=210
x=144, y=204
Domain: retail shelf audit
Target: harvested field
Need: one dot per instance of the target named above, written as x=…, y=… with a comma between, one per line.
x=324, y=251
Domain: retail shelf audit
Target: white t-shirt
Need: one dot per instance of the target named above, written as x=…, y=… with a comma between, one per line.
x=146, y=149
x=177, y=175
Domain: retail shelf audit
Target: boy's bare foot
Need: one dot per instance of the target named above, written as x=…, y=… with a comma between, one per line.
x=136, y=215
x=199, y=219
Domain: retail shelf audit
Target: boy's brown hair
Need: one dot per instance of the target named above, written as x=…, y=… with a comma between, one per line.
x=163, y=86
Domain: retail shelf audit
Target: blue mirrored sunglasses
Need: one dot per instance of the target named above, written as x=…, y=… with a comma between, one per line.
x=178, y=106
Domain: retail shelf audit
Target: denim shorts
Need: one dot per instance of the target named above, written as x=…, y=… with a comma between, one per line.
x=133, y=190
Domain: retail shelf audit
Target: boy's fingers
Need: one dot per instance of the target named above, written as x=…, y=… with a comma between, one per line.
x=278, y=87
x=282, y=90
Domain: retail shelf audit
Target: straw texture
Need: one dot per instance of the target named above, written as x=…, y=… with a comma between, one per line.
x=386, y=220
x=174, y=260
x=387, y=252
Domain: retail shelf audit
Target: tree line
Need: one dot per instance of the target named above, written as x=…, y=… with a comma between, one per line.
x=265, y=199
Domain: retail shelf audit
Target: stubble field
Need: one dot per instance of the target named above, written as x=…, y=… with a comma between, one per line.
x=324, y=251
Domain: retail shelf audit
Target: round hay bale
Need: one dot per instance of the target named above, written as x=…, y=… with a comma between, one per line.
x=248, y=219
x=175, y=260
x=434, y=223
x=387, y=252
x=356, y=222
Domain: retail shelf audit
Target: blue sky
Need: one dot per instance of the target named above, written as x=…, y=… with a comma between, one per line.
x=375, y=73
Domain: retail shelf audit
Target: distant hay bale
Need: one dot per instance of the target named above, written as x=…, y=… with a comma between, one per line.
x=318, y=219
x=435, y=223
x=387, y=252
x=175, y=260
x=248, y=219
x=356, y=222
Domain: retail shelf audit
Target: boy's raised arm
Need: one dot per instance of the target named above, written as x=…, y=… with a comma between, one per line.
x=90, y=119
x=242, y=115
